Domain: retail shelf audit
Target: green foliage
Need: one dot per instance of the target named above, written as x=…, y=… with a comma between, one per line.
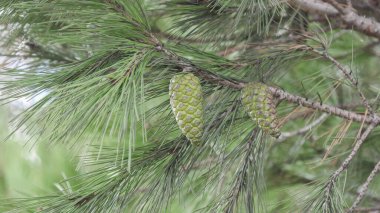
x=99, y=71
x=219, y=20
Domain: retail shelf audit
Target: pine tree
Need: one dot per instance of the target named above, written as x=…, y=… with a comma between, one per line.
x=102, y=70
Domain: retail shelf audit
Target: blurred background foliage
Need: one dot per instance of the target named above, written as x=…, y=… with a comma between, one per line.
x=31, y=170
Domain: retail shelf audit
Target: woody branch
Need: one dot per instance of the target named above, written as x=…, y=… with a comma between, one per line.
x=346, y=14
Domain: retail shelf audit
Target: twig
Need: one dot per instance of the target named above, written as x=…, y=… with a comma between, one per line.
x=303, y=130
x=269, y=42
x=365, y=25
x=308, y=111
x=330, y=185
x=348, y=74
x=373, y=210
x=362, y=24
x=323, y=107
x=315, y=6
x=364, y=188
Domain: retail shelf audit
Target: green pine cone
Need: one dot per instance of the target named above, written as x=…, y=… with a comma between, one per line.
x=259, y=104
x=186, y=100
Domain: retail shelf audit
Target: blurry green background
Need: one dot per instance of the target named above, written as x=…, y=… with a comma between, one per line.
x=27, y=169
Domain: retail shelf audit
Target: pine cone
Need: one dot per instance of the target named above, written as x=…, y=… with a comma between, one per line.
x=259, y=104
x=186, y=100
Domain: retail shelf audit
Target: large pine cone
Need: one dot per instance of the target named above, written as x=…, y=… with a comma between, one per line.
x=259, y=103
x=186, y=100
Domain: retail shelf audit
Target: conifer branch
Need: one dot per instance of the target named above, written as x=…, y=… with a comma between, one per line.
x=315, y=6
x=248, y=160
x=349, y=115
x=348, y=74
x=303, y=130
x=119, y=8
x=374, y=209
x=187, y=66
x=334, y=177
x=364, y=188
x=362, y=24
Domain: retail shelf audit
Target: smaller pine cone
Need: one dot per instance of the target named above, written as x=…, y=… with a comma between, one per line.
x=186, y=100
x=258, y=102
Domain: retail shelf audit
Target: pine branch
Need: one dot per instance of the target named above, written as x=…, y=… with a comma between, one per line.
x=309, y=111
x=333, y=178
x=187, y=66
x=362, y=24
x=235, y=84
x=348, y=74
x=282, y=95
x=120, y=9
x=221, y=20
x=265, y=43
x=371, y=210
x=303, y=130
x=239, y=185
x=315, y=6
x=364, y=188
x=245, y=162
